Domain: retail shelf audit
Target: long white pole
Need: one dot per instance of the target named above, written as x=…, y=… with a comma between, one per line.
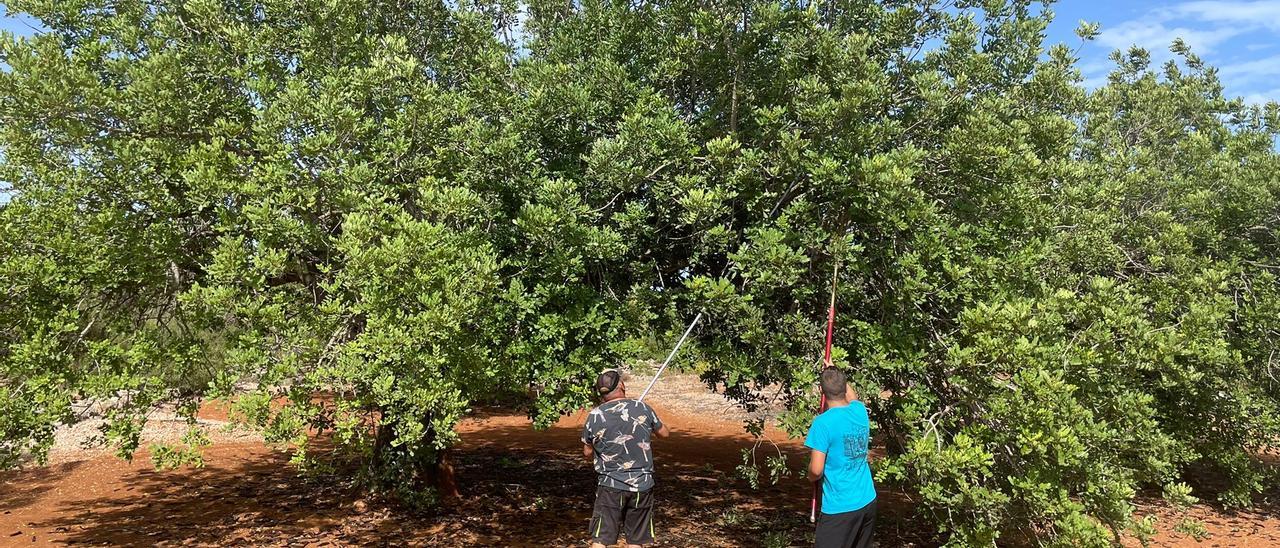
x=669, y=356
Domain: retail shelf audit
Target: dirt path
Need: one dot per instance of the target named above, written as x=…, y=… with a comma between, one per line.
x=520, y=488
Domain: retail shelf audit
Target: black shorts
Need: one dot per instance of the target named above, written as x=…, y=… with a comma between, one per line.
x=634, y=511
x=847, y=529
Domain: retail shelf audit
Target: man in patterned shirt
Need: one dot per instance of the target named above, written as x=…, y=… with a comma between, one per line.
x=616, y=438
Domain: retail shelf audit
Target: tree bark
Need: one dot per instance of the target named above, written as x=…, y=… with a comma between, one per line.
x=436, y=471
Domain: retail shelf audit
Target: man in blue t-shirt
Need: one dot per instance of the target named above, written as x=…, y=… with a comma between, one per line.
x=838, y=441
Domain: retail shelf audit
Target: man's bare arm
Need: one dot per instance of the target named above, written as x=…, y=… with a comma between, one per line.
x=817, y=462
x=663, y=432
x=588, y=451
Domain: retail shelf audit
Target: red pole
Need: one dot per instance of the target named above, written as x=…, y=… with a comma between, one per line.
x=817, y=488
x=826, y=362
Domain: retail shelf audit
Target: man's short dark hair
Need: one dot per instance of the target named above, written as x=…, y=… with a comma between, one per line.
x=607, y=382
x=833, y=383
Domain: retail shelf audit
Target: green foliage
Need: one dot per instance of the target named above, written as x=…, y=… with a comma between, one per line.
x=1193, y=528
x=356, y=220
x=188, y=452
x=774, y=467
x=776, y=539
x=730, y=517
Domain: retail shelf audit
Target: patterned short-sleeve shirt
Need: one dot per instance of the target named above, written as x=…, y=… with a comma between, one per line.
x=620, y=431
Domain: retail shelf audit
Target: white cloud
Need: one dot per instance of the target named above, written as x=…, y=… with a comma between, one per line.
x=1241, y=74
x=1262, y=97
x=1228, y=34
x=1253, y=14
x=1156, y=37
x=1202, y=24
x=1095, y=82
x=1094, y=71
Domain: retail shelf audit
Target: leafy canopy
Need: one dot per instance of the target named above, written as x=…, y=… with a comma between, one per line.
x=358, y=219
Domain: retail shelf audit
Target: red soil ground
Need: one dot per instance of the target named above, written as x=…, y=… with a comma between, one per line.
x=520, y=488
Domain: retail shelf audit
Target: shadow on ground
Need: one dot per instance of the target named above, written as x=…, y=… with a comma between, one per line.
x=520, y=488
x=33, y=484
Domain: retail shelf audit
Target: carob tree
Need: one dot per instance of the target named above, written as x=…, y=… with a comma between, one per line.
x=358, y=219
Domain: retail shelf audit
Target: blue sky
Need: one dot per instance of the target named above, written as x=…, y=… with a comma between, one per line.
x=18, y=23
x=1240, y=37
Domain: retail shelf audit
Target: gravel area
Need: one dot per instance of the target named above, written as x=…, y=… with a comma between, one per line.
x=83, y=440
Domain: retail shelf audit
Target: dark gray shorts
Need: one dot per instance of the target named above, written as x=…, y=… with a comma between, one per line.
x=622, y=512
x=847, y=529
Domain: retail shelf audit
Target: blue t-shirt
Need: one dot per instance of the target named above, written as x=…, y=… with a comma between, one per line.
x=843, y=433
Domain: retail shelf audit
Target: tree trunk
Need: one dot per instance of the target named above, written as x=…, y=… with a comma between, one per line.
x=442, y=478
x=434, y=471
